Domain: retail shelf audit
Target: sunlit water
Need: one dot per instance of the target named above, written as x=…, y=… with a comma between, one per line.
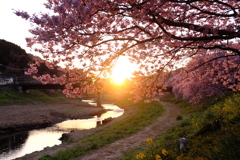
x=20, y=144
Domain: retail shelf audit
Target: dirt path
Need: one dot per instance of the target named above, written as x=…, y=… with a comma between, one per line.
x=116, y=150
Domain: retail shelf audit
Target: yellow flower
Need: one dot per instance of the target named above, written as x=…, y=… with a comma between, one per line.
x=140, y=156
x=164, y=152
x=201, y=158
x=158, y=157
x=149, y=141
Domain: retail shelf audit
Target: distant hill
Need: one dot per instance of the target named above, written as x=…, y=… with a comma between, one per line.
x=13, y=59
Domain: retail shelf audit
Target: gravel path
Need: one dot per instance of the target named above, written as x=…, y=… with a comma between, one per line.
x=116, y=149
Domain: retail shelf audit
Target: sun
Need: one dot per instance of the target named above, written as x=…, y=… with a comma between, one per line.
x=122, y=70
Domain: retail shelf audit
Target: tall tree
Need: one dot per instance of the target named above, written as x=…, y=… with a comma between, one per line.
x=156, y=34
x=196, y=82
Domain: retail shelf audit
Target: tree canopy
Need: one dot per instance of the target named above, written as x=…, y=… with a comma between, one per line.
x=196, y=81
x=158, y=35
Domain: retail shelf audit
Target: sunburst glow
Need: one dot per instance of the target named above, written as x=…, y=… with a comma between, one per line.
x=122, y=70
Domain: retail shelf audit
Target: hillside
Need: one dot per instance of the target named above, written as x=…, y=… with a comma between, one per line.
x=13, y=59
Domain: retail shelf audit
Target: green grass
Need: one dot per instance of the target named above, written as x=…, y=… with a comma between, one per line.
x=143, y=116
x=213, y=132
x=12, y=97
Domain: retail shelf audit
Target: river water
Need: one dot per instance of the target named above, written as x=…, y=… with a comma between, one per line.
x=19, y=144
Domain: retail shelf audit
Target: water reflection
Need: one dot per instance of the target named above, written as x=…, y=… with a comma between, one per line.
x=12, y=141
x=17, y=145
x=114, y=111
x=36, y=141
x=78, y=124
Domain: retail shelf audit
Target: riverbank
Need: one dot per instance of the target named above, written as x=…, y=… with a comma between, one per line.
x=135, y=118
x=37, y=115
x=82, y=141
x=120, y=133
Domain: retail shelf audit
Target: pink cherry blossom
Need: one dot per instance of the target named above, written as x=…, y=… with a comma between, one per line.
x=159, y=35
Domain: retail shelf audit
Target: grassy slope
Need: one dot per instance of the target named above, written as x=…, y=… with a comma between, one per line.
x=212, y=129
x=12, y=97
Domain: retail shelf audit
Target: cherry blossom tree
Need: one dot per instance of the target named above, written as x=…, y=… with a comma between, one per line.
x=196, y=81
x=156, y=34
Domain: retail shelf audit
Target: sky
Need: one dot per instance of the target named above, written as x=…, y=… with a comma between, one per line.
x=13, y=28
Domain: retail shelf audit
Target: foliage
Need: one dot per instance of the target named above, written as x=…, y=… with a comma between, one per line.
x=151, y=152
x=196, y=82
x=212, y=133
x=127, y=126
x=158, y=35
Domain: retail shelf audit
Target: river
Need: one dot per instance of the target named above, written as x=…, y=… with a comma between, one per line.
x=19, y=144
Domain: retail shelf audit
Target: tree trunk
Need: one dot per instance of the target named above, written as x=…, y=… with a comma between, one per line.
x=99, y=99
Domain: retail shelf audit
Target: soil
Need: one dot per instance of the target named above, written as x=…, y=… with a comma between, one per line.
x=112, y=151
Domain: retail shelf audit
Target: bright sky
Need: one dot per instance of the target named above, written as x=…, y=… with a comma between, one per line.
x=123, y=69
x=13, y=28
